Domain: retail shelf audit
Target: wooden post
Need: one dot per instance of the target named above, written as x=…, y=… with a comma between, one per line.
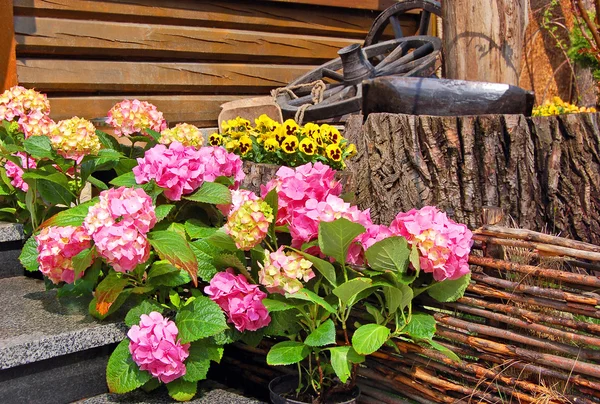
x=8, y=61
x=483, y=40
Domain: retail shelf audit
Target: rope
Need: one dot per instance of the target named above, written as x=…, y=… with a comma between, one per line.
x=317, y=91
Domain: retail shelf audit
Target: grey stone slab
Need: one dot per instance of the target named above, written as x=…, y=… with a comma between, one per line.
x=58, y=380
x=11, y=232
x=209, y=393
x=36, y=325
x=9, y=259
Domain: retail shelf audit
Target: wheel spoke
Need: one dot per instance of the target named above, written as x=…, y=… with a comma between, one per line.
x=396, y=26
x=424, y=23
x=418, y=53
x=332, y=74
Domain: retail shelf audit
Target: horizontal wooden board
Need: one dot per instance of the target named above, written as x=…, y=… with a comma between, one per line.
x=199, y=110
x=235, y=14
x=113, y=39
x=360, y=4
x=148, y=77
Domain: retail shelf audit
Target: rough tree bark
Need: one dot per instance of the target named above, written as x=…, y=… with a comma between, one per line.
x=483, y=40
x=543, y=172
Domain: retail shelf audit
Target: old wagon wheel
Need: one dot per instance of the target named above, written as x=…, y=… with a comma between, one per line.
x=390, y=17
x=409, y=56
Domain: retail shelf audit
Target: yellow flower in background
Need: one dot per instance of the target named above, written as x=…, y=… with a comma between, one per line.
x=271, y=145
x=556, y=106
x=231, y=145
x=308, y=146
x=290, y=144
x=351, y=151
x=330, y=134
x=265, y=124
x=235, y=126
x=184, y=133
x=313, y=131
x=215, y=139
x=290, y=127
x=334, y=152
x=280, y=134
x=245, y=144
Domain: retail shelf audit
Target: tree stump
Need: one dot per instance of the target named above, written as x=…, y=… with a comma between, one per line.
x=544, y=173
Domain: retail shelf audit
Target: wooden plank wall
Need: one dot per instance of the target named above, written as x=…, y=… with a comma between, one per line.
x=185, y=56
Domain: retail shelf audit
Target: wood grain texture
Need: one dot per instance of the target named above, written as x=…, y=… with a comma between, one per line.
x=199, y=110
x=483, y=41
x=361, y=4
x=8, y=61
x=544, y=173
x=42, y=36
x=92, y=76
x=234, y=14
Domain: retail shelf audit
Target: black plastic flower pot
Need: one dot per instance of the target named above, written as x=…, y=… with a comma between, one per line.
x=282, y=388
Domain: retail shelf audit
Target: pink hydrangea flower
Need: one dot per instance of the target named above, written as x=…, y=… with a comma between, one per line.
x=155, y=348
x=248, y=225
x=19, y=101
x=282, y=272
x=133, y=116
x=180, y=170
x=56, y=248
x=304, y=225
x=118, y=224
x=122, y=246
x=15, y=172
x=36, y=123
x=296, y=186
x=240, y=300
x=444, y=245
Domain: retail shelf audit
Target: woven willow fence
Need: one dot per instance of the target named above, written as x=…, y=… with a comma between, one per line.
x=527, y=331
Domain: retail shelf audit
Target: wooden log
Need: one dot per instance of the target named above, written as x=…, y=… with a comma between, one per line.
x=159, y=77
x=363, y=4
x=542, y=172
x=231, y=14
x=8, y=61
x=483, y=41
x=199, y=110
x=113, y=40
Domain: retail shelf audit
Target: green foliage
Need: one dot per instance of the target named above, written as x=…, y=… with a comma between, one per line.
x=211, y=192
x=581, y=52
x=450, y=290
x=174, y=248
x=122, y=373
x=29, y=255
x=201, y=319
x=323, y=335
x=145, y=307
x=287, y=353
x=182, y=390
x=335, y=237
x=420, y=327
x=369, y=338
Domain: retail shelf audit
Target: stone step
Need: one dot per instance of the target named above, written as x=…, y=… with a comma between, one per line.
x=209, y=392
x=51, y=351
x=11, y=243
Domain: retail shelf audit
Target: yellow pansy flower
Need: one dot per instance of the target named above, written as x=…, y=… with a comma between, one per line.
x=271, y=145
x=290, y=144
x=330, y=134
x=231, y=145
x=245, y=144
x=264, y=123
x=215, y=139
x=334, y=152
x=351, y=150
x=308, y=146
x=290, y=127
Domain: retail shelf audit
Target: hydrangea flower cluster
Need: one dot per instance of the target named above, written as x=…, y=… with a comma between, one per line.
x=56, y=248
x=133, y=116
x=36, y=123
x=238, y=197
x=75, y=138
x=296, y=186
x=240, y=300
x=15, y=172
x=118, y=224
x=184, y=133
x=305, y=221
x=443, y=244
x=180, y=170
x=155, y=348
x=282, y=272
x=248, y=225
x=18, y=101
